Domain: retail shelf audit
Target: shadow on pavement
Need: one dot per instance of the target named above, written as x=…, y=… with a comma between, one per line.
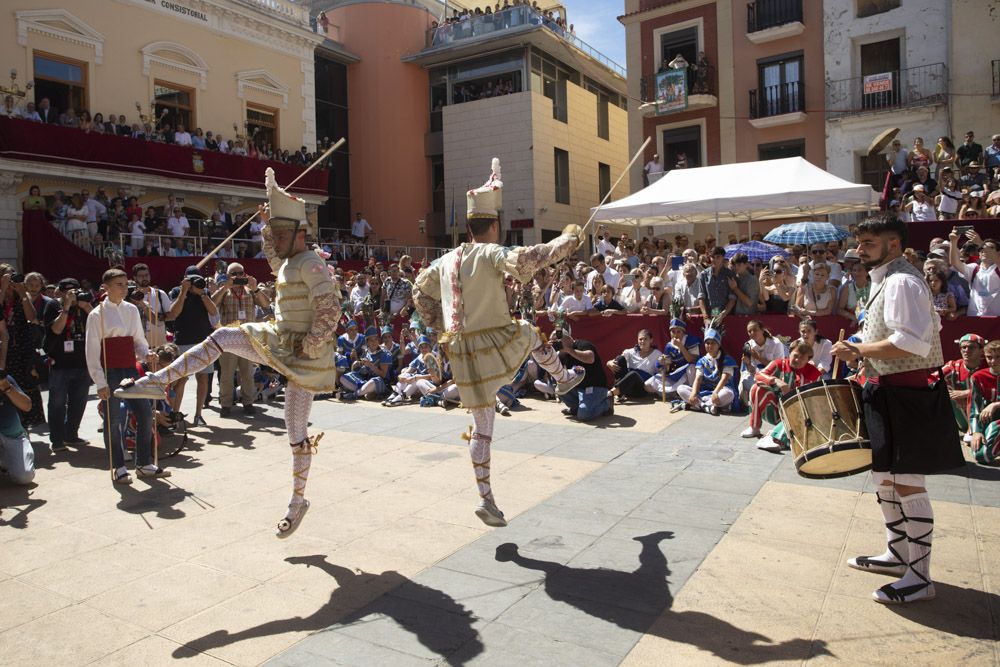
x=16, y=503
x=959, y=611
x=976, y=471
x=640, y=601
x=439, y=623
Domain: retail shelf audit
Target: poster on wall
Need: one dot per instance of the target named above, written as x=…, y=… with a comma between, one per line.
x=671, y=91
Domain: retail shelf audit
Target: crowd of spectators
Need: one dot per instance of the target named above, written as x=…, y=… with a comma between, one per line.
x=387, y=354
x=161, y=130
x=944, y=183
x=499, y=16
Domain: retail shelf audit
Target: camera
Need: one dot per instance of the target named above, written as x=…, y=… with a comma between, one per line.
x=240, y=281
x=17, y=278
x=197, y=281
x=86, y=297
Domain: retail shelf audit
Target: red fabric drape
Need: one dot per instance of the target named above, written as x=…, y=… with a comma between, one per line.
x=25, y=140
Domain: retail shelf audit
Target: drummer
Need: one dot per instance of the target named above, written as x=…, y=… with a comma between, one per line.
x=957, y=374
x=912, y=433
x=770, y=384
x=984, y=410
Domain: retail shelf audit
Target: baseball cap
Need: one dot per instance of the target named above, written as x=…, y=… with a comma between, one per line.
x=192, y=271
x=918, y=188
x=972, y=338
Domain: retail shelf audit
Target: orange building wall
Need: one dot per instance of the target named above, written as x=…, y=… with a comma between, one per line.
x=708, y=15
x=746, y=54
x=387, y=117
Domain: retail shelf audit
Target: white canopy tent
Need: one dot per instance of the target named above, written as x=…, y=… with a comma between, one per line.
x=740, y=192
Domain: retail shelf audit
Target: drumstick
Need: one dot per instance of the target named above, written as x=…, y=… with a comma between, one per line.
x=836, y=366
x=326, y=154
x=603, y=201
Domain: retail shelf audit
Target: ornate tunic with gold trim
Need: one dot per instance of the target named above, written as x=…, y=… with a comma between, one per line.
x=306, y=310
x=462, y=294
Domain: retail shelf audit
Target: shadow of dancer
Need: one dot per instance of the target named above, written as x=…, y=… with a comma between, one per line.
x=438, y=621
x=635, y=601
x=18, y=498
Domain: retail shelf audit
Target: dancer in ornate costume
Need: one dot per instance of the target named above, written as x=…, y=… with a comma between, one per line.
x=299, y=343
x=463, y=295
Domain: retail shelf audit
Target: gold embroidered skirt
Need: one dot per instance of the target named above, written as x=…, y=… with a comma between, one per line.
x=484, y=361
x=277, y=350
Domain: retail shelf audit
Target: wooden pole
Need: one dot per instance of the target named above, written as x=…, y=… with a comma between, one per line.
x=604, y=201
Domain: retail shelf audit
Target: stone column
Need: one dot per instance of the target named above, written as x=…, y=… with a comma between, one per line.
x=10, y=218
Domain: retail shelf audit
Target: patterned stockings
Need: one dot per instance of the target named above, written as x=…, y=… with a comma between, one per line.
x=479, y=449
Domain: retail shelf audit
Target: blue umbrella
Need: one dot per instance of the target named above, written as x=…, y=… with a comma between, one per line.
x=755, y=250
x=806, y=233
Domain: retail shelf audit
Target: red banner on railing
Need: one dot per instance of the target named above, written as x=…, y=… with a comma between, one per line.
x=25, y=140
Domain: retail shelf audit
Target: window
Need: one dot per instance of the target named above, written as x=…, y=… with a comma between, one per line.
x=262, y=125
x=331, y=124
x=872, y=7
x=602, y=116
x=779, y=85
x=174, y=104
x=782, y=149
x=562, y=176
x=880, y=58
x=681, y=147
x=603, y=180
x=679, y=43
x=550, y=78
x=62, y=80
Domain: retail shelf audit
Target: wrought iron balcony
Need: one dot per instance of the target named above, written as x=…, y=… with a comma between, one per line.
x=912, y=87
x=778, y=100
x=764, y=14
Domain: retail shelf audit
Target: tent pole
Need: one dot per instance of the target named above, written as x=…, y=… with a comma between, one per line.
x=749, y=226
x=716, y=224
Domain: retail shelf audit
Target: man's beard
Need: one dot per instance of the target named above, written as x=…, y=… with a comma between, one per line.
x=875, y=263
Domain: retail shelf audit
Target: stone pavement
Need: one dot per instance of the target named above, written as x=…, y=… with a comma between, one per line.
x=643, y=539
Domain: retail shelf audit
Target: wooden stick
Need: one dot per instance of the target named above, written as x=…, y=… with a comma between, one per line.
x=836, y=363
x=663, y=384
x=604, y=201
x=326, y=154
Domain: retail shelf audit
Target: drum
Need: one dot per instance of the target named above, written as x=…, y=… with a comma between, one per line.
x=826, y=430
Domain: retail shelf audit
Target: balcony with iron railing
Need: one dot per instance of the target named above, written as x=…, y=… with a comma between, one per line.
x=782, y=104
x=768, y=20
x=700, y=83
x=926, y=85
x=522, y=18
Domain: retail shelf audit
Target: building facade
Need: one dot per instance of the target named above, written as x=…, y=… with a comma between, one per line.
x=436, y=103
x=722, y=81
x=234, y=67
x=886, y=66
x=974, y=73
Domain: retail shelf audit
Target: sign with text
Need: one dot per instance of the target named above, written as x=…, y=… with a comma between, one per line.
x=878, y=83
x=671, y=91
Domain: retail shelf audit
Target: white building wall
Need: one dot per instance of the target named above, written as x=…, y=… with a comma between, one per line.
x=923, y=27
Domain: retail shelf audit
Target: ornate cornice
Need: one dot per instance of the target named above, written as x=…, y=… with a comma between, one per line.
x=196, y=64
x=37, y=20
x=261, y=81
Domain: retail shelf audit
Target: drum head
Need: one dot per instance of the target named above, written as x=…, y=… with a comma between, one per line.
x=839, y=460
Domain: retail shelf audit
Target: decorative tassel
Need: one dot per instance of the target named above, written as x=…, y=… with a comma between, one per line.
x=467, y=436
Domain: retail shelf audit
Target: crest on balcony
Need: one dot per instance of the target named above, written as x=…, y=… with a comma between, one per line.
x=198, y=163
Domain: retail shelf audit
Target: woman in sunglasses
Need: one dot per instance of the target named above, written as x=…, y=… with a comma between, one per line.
x=777, y=286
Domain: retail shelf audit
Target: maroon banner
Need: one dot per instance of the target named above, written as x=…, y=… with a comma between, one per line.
x=25, y=140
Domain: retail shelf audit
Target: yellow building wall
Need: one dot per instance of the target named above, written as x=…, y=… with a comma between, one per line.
x=579, y=138
x=116, y=83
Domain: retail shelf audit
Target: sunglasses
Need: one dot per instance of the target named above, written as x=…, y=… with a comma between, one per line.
x=819, y=252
